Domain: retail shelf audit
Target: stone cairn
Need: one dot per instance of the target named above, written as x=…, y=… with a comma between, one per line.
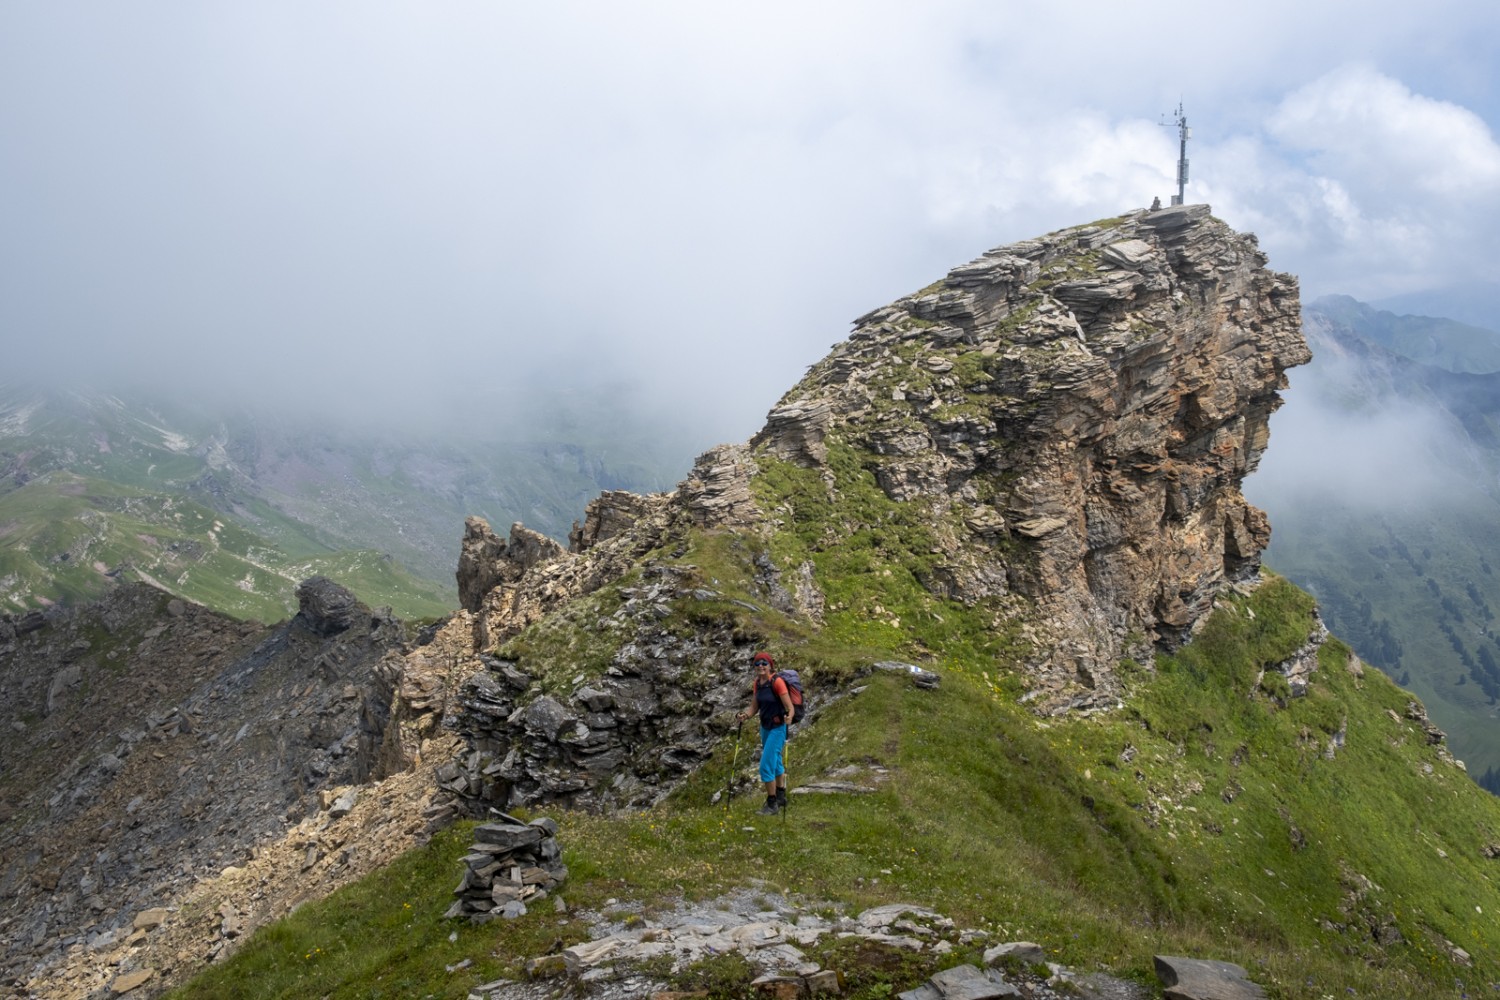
x=510, y=862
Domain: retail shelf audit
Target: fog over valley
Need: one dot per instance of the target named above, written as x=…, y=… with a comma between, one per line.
x=404, y=213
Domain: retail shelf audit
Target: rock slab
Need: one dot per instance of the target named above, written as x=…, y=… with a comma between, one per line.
x=1204, y=979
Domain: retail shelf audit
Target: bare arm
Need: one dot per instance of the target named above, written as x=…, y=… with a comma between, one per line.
x=753, y=706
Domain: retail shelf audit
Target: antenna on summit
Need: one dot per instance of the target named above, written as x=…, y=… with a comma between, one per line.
x=1183, y=134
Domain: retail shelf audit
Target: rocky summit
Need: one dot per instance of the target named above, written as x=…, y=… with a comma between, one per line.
x=1078, y=412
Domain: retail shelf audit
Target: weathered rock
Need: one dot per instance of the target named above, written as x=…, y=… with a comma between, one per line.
x=125, y=982
x=485, y=560
x=779, y=987
x=324, y=606
x=1105, y=421
x=717, y=492
x=1204, y=979
x=1027, y=952
x=545, y=966
x=919, y=677
x=1299, y=667
x=963, y=982
x=795, y=431
x=150, y=919
x=611, y=514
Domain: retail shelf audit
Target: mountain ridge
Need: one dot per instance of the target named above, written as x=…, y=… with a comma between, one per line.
x=314, y=497
x=1026, y=486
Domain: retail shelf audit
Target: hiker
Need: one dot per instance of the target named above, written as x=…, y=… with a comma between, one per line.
x=770, y=698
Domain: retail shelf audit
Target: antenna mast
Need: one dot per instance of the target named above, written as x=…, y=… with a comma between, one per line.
x=1183, y=134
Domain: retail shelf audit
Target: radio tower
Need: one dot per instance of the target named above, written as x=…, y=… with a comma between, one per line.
x=1183, y=134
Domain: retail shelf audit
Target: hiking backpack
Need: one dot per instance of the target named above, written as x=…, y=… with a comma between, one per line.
x=794, y=691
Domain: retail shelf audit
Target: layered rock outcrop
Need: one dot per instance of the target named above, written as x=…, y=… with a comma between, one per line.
x=510, y=584
x=1087, y=404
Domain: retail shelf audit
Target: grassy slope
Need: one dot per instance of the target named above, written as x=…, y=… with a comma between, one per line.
x=1350, y=560
x=1205, y=816
x=1033, y=830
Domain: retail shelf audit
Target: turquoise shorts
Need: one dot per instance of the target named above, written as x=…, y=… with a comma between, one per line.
x=772, y=743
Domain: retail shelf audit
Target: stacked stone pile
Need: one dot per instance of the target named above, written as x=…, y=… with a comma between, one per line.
x=509, y=863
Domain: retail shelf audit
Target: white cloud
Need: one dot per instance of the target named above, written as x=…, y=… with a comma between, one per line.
x=696, y=196
x=1388, y=142
x=1363, y=186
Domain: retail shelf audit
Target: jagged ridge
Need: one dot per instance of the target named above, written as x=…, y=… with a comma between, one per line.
x=1069, y=418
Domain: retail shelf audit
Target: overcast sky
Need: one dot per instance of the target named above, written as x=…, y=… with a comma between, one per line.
x=413, y=206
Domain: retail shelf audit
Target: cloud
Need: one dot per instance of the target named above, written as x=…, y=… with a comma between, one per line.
x=1393, y=454
x=397, y=208
x=1362, y=125
x=1366, y=187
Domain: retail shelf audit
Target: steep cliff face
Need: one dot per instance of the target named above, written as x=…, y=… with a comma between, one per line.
x=1065, y=422
x=1086, y=405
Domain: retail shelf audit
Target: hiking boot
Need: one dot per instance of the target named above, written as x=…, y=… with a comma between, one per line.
x=781, y=798
x=769, y=809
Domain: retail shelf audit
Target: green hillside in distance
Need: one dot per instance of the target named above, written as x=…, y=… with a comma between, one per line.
x=383, y=508
x=67, y=539
x=1431, y=340
x=1382, y=494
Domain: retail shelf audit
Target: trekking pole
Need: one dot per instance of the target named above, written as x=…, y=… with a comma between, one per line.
x=785, y=744
x=734, y=763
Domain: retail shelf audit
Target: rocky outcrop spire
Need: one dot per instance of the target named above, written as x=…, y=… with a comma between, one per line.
x=486, y=560
x=1086, y=405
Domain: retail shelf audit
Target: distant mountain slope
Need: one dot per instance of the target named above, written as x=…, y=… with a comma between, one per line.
x=66, y=539
x=1382, y=493
x=1432, y=340
x=89, y=470
x=1475, y=303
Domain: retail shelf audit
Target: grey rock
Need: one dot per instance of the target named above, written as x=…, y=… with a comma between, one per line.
x=1204, y=979
x=344, y=804
x=885, y=916
x=64, y=679
x=545, y=717
x=965, y=982
x=595, y=700
x=1023, y=951
x=508, y=836
x=831, y=788
x=325, y=607
x=1176, y=217
x=921, y=678
x=1131, y=254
